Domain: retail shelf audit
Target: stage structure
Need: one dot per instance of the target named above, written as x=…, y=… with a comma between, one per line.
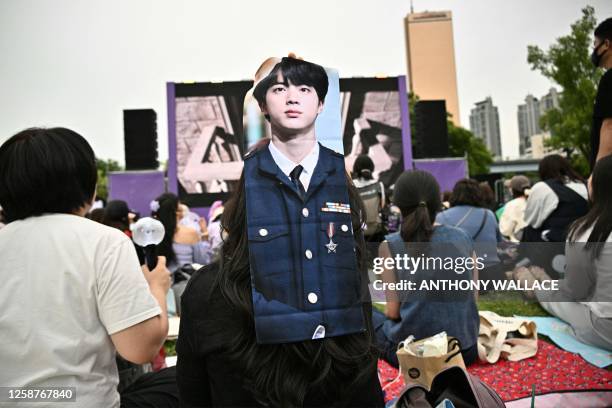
x=206, y=139
x=137, y=188
x=375, y=122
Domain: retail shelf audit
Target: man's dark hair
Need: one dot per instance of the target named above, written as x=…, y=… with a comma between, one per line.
x=45, y=171
x=296, y=72
x=467, y=192
x=604, y=30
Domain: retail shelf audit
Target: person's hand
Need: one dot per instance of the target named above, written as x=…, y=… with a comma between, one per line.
x=159, y=277
x=203, y=228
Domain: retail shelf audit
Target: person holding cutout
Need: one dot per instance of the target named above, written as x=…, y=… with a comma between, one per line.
x=280, y=319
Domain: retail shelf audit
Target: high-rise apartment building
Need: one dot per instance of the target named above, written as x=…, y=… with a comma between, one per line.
x=484, y=123
x=529, y=115
x=430, y=54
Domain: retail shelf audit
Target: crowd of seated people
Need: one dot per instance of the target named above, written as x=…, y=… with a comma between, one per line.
x=74, y=292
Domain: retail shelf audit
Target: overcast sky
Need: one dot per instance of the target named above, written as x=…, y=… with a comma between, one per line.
x=79, y=63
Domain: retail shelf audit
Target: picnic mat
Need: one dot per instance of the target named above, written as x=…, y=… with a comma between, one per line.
x=588, y=399
x=562, y=334
x=552, y=370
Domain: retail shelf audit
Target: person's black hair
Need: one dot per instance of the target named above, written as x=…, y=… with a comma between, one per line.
x=600, y=215
x=417, y=194
x=467, y=192
x=282, y=374
x=46, y=171
x=296, y=72
x=556, y=167
x=363, y=167
x=166, y=214
x=116, y=215
x=604, y=30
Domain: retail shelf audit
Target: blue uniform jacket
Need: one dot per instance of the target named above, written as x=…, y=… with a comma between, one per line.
x=299, y=285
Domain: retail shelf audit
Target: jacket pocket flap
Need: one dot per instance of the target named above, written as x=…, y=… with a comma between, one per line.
x=268, y=232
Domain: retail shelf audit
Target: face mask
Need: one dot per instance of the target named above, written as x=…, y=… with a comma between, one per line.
x=595, y=58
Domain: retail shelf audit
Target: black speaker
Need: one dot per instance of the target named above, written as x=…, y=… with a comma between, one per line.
x=431, y=130
x=140, y=139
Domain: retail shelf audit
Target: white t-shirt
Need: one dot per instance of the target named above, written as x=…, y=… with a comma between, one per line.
x=513, y=218
x=67, y=283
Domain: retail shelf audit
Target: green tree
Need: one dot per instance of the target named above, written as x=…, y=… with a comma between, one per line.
x=104, y=167
x=566, y=63
x=461, y=143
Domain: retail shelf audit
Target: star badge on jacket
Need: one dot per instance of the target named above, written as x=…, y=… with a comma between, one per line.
x=331, y=245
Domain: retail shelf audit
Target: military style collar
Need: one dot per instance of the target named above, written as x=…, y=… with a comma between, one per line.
x=324, y=167
x=287, y=165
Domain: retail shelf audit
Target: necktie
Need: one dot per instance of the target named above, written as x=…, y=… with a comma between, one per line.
x=295, y=178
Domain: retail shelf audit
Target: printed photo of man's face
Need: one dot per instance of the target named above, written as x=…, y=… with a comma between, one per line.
x=291, y=107
x=292, y=95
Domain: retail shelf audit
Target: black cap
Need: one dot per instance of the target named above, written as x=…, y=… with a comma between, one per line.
x=116, y=210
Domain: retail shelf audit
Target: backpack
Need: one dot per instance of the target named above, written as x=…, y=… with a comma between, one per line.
x=371, y=197
x=455, y=384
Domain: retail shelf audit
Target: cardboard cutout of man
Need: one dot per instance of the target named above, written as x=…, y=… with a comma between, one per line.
x=304, y=274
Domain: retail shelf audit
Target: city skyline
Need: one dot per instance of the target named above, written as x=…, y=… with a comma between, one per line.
x=87, y=61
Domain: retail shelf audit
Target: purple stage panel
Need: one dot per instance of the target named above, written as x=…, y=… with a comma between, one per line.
x=201, y=211
x=446, y=171
x=137, y=188
x=171, y=101
x=406, y=136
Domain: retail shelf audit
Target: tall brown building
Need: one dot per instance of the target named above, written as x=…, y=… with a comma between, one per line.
x=430, y=53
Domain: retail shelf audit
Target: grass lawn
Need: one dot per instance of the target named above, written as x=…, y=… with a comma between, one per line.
x=510, y=303
x=170, y=348
x=507, y=303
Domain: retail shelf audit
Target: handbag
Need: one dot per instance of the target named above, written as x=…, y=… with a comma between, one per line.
x=423, y=369
x=511, y=338
x=453, y=384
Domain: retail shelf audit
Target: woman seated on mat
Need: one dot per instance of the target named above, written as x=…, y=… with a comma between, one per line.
x=584, y=300
x=468, y=212
x=422, y=315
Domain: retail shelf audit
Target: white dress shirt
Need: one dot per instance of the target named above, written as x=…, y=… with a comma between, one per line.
x=287, y=165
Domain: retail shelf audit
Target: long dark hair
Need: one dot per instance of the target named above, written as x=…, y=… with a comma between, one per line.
x=282, y=374
x=600, y=215
x=556, y=167
x=417, y=194
x=166, y=214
